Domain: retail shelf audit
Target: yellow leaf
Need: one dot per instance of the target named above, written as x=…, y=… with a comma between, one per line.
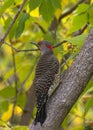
x=66, y=46
x=58, y=13
x=35, y=13
x=7, y=115
x=65, y=2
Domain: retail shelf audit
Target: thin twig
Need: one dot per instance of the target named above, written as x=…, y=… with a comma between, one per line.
x=70, y=10
x=16, y=91
x=80, y=31
x=17, y=50
x=12, y=23
x=59, y=44
x=41, y=28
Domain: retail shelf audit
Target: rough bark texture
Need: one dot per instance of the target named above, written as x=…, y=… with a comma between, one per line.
x=72, y=85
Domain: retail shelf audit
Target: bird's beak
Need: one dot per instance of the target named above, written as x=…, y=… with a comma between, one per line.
x=35, y=43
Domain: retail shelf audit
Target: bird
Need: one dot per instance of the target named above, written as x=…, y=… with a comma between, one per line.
x=47, y=71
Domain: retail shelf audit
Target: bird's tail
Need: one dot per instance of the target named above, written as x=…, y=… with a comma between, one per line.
x=41, y=114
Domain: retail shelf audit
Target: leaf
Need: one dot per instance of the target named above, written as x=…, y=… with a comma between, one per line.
x=21, y=24
x=82, y=8
x=56, y=3
x=79, y=40
x=7, y=22
x=90, y=13
x=3, y=106
x=8, y=74
x=89, y=87
x=6, y=5
x=89, y=104
x=7, y=92
x=79, y=21
x=46, y=9
x=21, y=100
x=13, y=30
x=20, y=128
x=34, y=4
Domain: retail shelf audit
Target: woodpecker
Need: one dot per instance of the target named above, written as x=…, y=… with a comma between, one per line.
x=47, y=70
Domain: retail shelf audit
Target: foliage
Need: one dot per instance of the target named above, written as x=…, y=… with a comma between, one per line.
x=39, y=20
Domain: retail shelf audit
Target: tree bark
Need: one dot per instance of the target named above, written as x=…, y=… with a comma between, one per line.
x=72, y=85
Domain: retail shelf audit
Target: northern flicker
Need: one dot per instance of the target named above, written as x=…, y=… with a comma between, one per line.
x=47, y=70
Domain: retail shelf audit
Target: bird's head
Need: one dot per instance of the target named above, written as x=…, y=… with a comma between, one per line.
x=44, y=46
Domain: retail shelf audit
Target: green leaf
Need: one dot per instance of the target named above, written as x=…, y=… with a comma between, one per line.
x=6, y=5
x=13, y=30
x=21, y=24
x=89, y=104
x=34, y=4
x=9, y=74
x=7, y=92
x=7, y=22
x=90, y=13
x=56, y=3
x=82, y=8
x=3, y=106
x=89, y=87
x=79, y=21
x=21, y=100
x=79, y=40
x=46, y=10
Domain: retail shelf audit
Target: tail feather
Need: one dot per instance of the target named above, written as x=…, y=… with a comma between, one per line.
x=41, y=114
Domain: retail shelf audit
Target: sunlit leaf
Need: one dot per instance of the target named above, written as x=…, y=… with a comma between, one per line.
x=79, y=40
x=83, y=18
x=35, y=12
x=7, y=115
x=82, y=8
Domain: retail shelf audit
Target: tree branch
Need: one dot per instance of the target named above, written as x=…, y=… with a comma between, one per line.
x=70, y=10
x=80, y=31
x=12, y=23
x=41, y=28
x=18, y=50
x=72, y=85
